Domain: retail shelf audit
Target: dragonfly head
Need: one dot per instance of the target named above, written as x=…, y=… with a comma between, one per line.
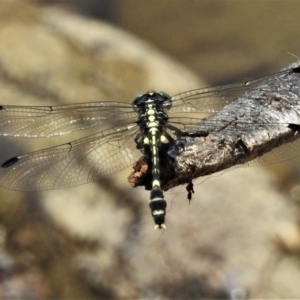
x=161, y=100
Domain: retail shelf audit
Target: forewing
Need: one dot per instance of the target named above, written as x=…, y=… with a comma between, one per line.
x=71, y=164
x=47, y=121
x=213, y=99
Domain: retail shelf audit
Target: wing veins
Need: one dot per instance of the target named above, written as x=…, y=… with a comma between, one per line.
x=213, y=99
x=27, y=121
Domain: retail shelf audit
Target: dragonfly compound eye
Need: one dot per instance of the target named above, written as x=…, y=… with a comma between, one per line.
x=139, y=101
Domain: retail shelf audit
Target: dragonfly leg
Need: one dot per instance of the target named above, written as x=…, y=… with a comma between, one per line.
x=190, y=190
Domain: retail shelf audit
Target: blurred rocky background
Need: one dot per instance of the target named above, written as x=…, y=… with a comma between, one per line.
x=238, y=238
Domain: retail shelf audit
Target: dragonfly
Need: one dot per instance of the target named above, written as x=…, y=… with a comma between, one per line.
x=146, y=127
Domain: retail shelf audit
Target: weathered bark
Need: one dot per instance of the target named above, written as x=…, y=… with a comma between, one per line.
x=265, y=117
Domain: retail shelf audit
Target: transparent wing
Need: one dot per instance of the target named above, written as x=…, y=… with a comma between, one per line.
x=185, y=122
x=87, y=159
x=47, y=121
x=284, y=152
x=213, y=99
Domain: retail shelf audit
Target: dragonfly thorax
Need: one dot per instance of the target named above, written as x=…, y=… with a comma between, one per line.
x=152, y=110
